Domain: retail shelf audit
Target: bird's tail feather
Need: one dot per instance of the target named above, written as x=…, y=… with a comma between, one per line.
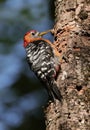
x=54, y=92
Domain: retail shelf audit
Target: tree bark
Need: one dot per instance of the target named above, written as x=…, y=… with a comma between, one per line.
x=72, y=39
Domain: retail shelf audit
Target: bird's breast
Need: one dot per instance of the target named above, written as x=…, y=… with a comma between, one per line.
x=41, y=59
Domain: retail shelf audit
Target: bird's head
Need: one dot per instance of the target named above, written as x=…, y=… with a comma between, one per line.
x=32, y=36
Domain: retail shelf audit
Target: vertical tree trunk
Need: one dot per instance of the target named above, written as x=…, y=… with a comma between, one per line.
x=72, y=39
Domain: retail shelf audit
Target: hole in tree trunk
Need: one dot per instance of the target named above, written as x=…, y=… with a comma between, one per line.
x=78, y=87
x=59, y=30
x=69, y=115
x=86, y=120
x=55, y=38
x=60, y=51
x=80, y=120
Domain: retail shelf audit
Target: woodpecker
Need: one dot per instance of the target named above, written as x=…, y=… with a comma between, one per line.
x=44, y=60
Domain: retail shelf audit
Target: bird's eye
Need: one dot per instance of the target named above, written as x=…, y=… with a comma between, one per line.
x=33, y=33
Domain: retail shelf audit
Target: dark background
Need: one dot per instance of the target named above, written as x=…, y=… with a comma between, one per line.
x=22, y=96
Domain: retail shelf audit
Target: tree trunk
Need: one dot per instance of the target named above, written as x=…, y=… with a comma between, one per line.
x=72, y=39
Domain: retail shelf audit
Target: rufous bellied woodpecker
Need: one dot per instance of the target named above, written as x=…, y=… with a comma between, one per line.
x=44, y=60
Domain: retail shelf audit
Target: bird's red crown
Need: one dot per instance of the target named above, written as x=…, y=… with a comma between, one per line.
x=29, y=37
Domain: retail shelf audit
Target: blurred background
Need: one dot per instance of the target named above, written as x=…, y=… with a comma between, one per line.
x=22, y=96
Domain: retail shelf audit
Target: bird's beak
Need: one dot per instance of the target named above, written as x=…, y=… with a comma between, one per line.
x=43, y=33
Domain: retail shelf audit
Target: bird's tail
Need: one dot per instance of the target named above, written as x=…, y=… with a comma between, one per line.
x=54, y=92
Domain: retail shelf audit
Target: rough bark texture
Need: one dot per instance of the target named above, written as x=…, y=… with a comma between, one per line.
x=72, y=39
